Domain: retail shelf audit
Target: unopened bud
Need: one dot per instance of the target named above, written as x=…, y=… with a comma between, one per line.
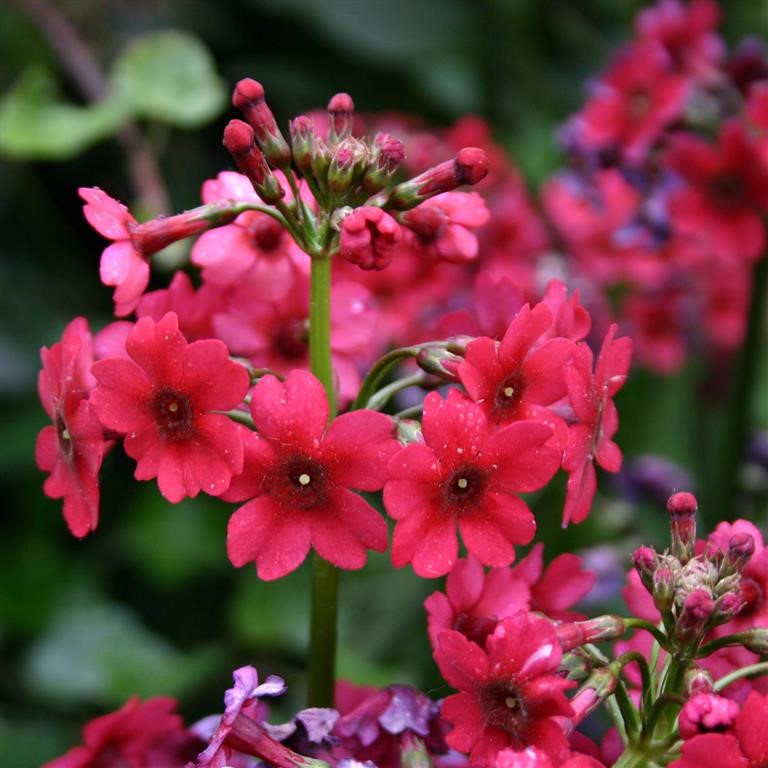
x=408, y=431
x=663, y=588
x=682, y=512
x=249, y=99
x=726, y=607
x=755, y=640
x=576, y=664
x=470, y=166
x=695, y=616
x=698, y=680
x=576, y=633
x=741, y=547
x=413, y=753
x=340, y=111
x=438, y=361
x=239, y=141
x=596, y=688
x=388, y=154
x=346, y=164
x=644, y=560
x=302, y=143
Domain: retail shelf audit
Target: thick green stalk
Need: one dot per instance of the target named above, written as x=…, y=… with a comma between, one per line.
x=325, y=578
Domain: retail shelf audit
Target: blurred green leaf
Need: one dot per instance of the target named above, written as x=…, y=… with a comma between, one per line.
x=96, y=651
x=171, y=77
x=37, y=125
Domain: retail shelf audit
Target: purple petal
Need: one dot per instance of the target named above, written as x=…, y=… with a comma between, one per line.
x=318, y=721
x=408, y=709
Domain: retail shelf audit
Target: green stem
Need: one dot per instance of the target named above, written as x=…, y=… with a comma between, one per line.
x=753, y=670
x=379, y=399
x=379, y=370
x=659, y=636
x=723, y=505
x=325, y=579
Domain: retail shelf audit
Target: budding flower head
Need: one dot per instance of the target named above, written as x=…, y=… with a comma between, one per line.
x=470, y=166
x=249, y=99
x=682, y=513
x=693, y=621
x=340, y=111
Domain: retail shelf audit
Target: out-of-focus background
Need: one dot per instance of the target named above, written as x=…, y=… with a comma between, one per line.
x=132, y=96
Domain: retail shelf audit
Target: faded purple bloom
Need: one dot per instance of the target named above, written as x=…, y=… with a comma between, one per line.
x=652, y=478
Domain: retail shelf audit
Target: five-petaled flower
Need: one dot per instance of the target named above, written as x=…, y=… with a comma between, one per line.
x=299, y=475
x=162, y=400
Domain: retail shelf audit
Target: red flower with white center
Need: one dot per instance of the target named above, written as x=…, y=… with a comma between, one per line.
x=161, y=400
x=517, y=378
x=590, y=441
x=745, y=745
x=633, y=102
x=139, y=734
x=510, y=692
x=72, y=448
x=465, y=475
x=443, y=225
x=475, y=601
x=724, y=194
x=369, y=237
x=301, y=472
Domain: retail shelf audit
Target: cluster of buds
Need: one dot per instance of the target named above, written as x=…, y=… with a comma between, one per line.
x=347, y=176
x=693, y=593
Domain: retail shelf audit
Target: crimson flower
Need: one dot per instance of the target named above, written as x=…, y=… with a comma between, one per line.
x=369, y=237
x=137, y=735
x=467, y=475
x=161, y=399
x=590, y=440
x=743, y=746
x=73, y=447
x=517, y=378
x=299, y=477
x=510, y=692
x=724, y=192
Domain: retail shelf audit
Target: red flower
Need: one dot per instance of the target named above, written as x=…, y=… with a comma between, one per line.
x=517, y=378
x=725, y=189
x=301, y=475
x=73, y=448
x=744, y=746
x=591, y=440
x=137, y=735
x=161, y=400
x=369, y=237
x=465, y=474
x=510, y=692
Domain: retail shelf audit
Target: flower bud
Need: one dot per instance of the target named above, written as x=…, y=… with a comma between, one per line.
x=302, y=143
x=707, y=712
x=741, y=547
x=408, y=431
x=388, y=154
x=698, y=680
x=239, y=141
x=345, y=165
x=682, y=512
x=470, y=166
x=576, y=633
x=369, y=237
x=755, y=640
x=596, y=688
x=644, y=560
x=438, y=361
x=726, y=607
x=340, y=110
x=413, y=753
x=694, y=617
x=663, y=588
x=249, y=99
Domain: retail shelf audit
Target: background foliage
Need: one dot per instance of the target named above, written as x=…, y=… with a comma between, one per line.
x=149, y=603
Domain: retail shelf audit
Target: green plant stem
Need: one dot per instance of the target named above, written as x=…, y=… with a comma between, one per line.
x=379, y=399
x=379, y=370
x=658, y=635
x=325, y=578
x=753, y=670
x=723, y=505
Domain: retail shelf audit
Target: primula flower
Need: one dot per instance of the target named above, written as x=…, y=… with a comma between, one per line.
x=591, y=440
x=517, y=378
x=745, y=745
x=465, y=475
x=72, y=448
x=299, y=474
x=706, y=712
x=510, y=692
x=161, y=399
x=723, y=195
x=475, y=601
x=443, y=225
x=137, y=735
x=369, y=238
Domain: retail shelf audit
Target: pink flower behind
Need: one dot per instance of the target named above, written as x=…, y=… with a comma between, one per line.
x=510, y=692
x=72, y=448
x=590, y=441
x=467, y=476
x=161, y=398
x=299, y=477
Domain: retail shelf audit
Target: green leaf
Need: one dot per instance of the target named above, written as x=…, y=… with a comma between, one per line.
x=170, y=77
x=37, y=125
